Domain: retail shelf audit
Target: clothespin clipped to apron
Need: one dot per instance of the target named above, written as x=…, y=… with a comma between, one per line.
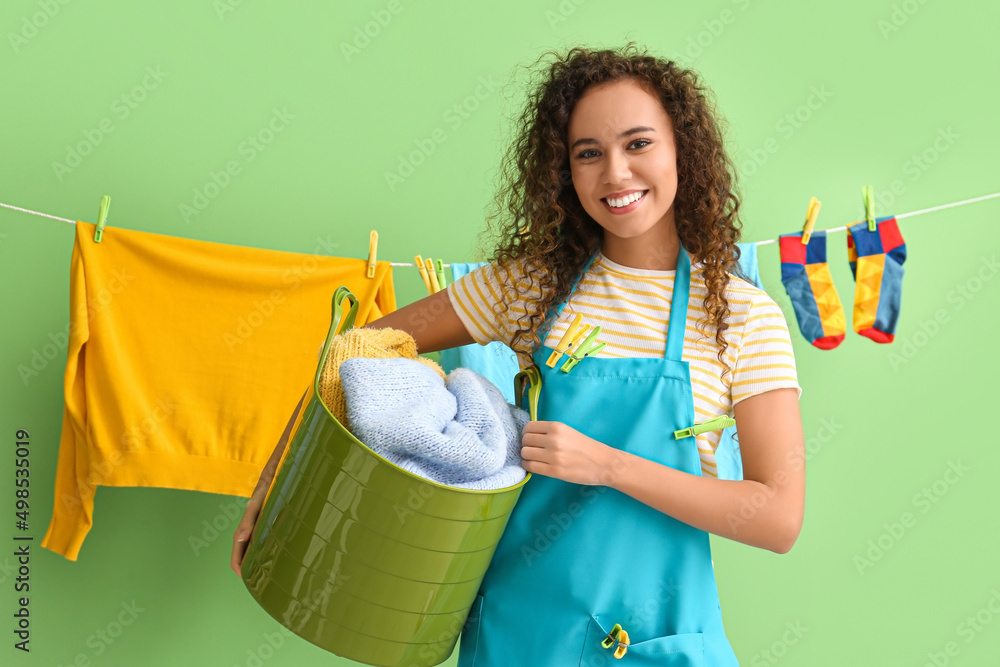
x=617, y=638
x=532, y=376
x=711, y=425
x=588, y=347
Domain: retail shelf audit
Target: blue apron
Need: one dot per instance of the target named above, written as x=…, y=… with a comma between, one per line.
x=576, y=559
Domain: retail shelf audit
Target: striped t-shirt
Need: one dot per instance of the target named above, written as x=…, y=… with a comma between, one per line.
x=632, y=307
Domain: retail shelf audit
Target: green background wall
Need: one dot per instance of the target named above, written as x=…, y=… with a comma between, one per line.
x=903, y=96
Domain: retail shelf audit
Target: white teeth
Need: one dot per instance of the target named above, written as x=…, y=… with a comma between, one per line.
x=626, y=200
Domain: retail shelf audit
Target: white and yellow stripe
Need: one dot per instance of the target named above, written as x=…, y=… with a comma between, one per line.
x=632, y=307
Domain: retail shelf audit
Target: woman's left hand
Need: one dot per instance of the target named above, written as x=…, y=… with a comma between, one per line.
x=556, y=450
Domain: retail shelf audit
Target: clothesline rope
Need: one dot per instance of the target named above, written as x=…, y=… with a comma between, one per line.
x=759, y=243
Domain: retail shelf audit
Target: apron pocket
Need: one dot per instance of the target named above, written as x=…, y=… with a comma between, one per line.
x=470, y=633
x=683, y=650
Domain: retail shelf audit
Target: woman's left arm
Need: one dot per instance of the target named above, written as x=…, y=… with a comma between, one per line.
x=764, y=510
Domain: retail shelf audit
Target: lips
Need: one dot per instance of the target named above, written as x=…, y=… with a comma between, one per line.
x=618, y=210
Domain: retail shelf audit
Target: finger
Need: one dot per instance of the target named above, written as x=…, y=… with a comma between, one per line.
x=536, y=427
x=533, y=439
x=539, y=467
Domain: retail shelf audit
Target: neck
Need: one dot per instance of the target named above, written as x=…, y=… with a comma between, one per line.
x=659, y=254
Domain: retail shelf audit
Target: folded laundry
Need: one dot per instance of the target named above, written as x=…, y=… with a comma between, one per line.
x=383, y=343
x=459, y=431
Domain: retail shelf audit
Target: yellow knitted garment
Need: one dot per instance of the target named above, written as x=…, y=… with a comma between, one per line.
x=368, y=343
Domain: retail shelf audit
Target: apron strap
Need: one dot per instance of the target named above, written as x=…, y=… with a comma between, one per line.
x=544, y=329
x=679, y=307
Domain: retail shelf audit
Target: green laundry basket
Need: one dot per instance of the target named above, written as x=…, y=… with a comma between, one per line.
x=361, y=557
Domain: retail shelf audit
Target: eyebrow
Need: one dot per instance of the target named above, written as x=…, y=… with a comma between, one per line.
x=626, y=133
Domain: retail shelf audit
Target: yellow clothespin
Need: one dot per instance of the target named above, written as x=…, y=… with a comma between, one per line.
x=423, y=273
x=811, y=216
x=432, y=275
x=102, y=217
x=868, y=193
x=372, y=250
x=440, y=274
x=573, y=332
x=618, y=638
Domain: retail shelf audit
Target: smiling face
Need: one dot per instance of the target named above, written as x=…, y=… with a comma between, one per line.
x=623, y=161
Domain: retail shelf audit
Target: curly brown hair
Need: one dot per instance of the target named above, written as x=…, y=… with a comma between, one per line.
x=538, y=217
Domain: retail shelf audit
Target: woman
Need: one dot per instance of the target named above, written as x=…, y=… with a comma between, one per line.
x=618, y=204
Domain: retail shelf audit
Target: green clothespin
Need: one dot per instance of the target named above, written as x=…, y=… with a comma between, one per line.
x=869, y=196
x=102, y=217
x=704, y=427
x=583, y=350
x=439, y=269
x=531, y=375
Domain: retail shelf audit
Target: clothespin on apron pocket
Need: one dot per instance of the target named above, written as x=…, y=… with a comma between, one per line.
x=617, y=638
x=573, y=332
x=102, y=217
x=583, y=350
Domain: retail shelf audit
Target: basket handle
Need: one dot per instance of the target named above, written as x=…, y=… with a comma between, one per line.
x=338, y=298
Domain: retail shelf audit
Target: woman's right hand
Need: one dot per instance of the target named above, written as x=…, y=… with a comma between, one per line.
x=241, y=538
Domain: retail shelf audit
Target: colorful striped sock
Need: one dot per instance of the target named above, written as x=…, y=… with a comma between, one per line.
x=877, y=264
x=806, y=277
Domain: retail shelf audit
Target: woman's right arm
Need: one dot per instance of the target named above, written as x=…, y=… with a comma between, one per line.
x=434, y=325
x=432, y=321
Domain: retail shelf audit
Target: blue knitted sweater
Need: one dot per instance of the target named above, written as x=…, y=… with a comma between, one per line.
x=460, y=432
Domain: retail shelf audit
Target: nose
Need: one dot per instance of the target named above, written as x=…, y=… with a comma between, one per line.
x=616, y=167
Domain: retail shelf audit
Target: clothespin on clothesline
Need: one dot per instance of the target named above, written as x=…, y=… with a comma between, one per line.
x=433, y=277
x=372, y=251
x=102, y=218
x=811, y=214
x=868, y=194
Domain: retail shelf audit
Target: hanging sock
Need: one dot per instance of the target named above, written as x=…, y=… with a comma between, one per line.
x=876, y=260
x=806, y=277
